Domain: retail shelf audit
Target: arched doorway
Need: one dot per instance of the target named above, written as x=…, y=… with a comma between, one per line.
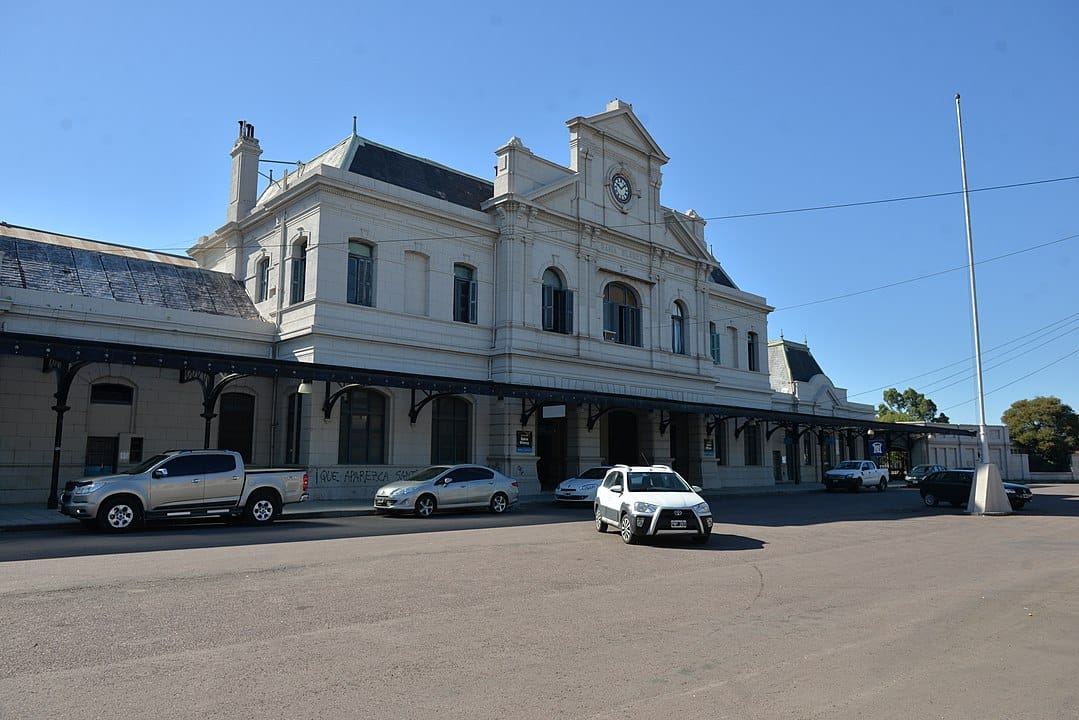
x=551, y=449
x=237, y=424
x=623, y=447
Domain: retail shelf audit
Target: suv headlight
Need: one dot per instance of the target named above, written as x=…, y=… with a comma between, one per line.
x=702, y=508
x=87, y=489
x=643, y=507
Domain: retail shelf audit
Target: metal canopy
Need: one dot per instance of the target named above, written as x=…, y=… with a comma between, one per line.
x=73, y=350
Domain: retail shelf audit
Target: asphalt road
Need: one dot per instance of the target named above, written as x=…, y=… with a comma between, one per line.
x=808, y=606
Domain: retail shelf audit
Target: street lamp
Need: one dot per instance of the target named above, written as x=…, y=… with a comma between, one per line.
x=987, y=496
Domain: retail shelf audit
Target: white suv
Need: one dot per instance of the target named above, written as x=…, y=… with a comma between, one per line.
x=644, y=501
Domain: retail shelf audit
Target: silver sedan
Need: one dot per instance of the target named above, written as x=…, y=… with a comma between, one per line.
x=446, y=487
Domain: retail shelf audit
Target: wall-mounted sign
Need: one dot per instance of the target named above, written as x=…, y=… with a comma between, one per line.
x=524, y=441
x=709, y=447
x=877, y=447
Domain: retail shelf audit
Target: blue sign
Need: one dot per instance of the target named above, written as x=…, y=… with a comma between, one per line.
x=877, y=447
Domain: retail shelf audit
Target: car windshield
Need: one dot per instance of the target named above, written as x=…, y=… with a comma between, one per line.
x=920, y=470
x=596, y=473
x=657, y=482
x=848, y=465
x=427, y=473
x=143, y=467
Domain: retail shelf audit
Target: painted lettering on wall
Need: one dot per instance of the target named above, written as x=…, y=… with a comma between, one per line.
x=338, y=475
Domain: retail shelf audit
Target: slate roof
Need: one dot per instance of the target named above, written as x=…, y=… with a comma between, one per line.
x=114, y=276
x=801, y=363
x=720, y=277
x=792, y=363
x=422, y=176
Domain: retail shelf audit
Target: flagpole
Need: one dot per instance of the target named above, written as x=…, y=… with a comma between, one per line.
x=986, y=496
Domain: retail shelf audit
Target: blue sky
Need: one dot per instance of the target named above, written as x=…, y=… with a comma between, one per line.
x=118, y=119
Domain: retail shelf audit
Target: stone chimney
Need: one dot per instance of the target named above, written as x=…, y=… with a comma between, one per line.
x=243, y=189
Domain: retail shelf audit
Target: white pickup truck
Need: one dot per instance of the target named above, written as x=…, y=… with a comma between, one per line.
x=183, y=484
x=854, y=474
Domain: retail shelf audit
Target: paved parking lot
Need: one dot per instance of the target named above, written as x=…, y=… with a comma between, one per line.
x=814, y=606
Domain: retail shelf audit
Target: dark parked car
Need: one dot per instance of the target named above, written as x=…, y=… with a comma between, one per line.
x=953, y=486
x=920, y=472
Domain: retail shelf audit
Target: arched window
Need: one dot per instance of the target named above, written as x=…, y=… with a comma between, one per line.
x=362, y=438
x=557, y=303
x=678, y=329
x=450, y=419
x=621, y=315
x=299, y=273
x=262, y=279
x=361, y=273
x=464, y=294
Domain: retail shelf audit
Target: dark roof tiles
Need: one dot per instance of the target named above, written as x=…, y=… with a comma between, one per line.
x=90, y=273
x=422, y=176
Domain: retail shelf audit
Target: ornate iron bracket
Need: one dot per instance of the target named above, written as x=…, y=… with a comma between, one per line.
x=331, y=399
x=528, y=411
x=595, y=415
x=664, y=421
x=65, y=375
x=211, y=391
x=710, y=425
x=428, y=396
x=749, y=421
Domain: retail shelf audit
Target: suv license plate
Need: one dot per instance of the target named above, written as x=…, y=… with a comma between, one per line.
x=678, y=524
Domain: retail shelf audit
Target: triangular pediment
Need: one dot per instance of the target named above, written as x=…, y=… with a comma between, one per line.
x=684, y=238
x=621, y=123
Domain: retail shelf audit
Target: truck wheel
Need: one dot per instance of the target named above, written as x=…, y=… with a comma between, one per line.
x=625, y=526
x=930, y=499
x=882, y=485
x=262, y=508
x=425, y=506
x=119, y=514
x=499, y=503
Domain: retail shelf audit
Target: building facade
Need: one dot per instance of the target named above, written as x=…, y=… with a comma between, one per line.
x=385, y=312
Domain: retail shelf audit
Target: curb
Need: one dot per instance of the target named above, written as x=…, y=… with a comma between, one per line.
x=300, y=514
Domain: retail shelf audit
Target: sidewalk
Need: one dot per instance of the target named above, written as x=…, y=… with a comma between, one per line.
x=37, y=517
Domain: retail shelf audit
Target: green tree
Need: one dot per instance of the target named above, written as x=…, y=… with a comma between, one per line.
x=910, y=405
x=1046, y=429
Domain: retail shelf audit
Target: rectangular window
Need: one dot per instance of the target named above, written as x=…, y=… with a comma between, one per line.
x=751, y=346
x=361, y=272
x=714, y=344
x=751, y=438
x=733, y=332
x=293, y=424
x=721, y=442
x=557, y=310
x=464, y=294
x=299, y=274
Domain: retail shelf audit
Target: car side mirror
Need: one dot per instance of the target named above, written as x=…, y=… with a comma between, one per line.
x=696, y=488
x=616, y=489
x=161, y=472
x=442, y=481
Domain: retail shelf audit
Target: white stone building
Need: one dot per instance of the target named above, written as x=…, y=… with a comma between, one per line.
x=555, y=318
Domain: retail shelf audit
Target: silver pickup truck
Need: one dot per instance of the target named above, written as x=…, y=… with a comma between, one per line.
x=183, y=484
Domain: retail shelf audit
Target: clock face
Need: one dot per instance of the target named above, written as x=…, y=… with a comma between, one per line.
x=620, y=188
